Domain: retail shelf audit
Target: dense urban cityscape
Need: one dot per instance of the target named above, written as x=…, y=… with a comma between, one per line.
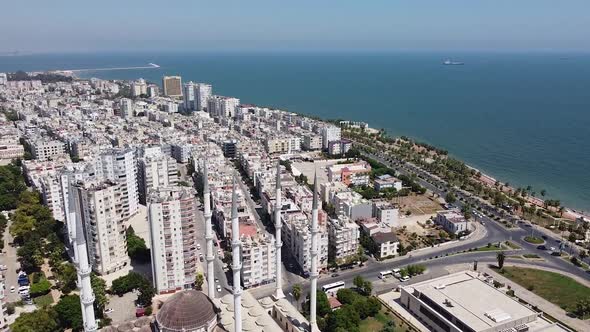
x=144, y=206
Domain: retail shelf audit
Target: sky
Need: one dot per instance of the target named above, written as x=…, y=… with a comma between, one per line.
x=177, y=25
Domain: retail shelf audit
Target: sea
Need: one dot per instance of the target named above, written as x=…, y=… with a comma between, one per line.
x=523, y=118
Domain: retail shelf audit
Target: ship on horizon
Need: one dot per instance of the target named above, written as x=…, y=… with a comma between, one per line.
x=448, y=62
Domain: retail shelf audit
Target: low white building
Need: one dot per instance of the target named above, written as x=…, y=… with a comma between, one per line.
x=386, y=213
x=387, y=244
x=453, y=221
x=387, y=181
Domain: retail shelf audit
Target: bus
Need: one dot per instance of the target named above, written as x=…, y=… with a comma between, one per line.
x=385, y=274
x=332, y=289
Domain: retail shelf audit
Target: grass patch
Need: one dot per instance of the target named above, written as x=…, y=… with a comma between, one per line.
x=491, y=248
x=531, y=256
x=372, y=324
x=43, y=300
x=534, y=239
x=558, y=289
x=512, y=245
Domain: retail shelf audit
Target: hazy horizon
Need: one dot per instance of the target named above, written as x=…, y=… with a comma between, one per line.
x=37, y=26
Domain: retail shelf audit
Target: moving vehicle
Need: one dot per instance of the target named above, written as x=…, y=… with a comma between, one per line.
x=108, y=310
x=332, y=289
x=12, y=289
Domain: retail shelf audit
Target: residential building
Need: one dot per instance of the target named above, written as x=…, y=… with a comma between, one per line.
x=156, y=172
x=47, y=149
x=343, y=238
x=258, y=257
x=139, y=88
x=465, y=302
x=386, y=213
x=126, y=108
x=103, y=216
x=222, y=107
x=296, y=235
x=202, y=94
x=311, y=141
x=3, y=309
x=387, y=244
x=387, y=181
x=152, y=90
x=51, y=192
x=330, y=133
x=284, y=144
x=453, y=221
x=229, y=148
x=181, y=152
x=172, y=86
x=3, y=78
x=10, y=149
x=172, y=218
x=357, y=174
x=188, y=96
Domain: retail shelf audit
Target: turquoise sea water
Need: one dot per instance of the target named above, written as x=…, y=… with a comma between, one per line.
x=522, y=118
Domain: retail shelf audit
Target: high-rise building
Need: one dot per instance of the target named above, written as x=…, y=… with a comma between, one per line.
x=343, y=238
x=126, y=108
x=3, y=78
x=172, y=220
x=188, y=96
x=52, y=194
x=3, y=309
x=152, y=90
x=138, y=88
x=156, y=172
x=223, y=107
x=202, y=94
x=119, y=166
x=102, y=213
x=330, y=134
x=172, y=86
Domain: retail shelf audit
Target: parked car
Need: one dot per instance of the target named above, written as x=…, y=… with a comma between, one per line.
x=541, y=247
x=405, y=278
x=12, y=289
x=108, y=310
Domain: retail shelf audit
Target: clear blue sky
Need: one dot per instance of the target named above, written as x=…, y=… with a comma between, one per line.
x=127, y=25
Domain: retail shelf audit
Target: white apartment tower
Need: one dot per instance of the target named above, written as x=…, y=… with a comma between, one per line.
x=52, y=194
x=156, y=172
x=172, y=214
x=126, y=108
x=202, y=94
x=102, y=214
x=343, y=238
x=258, y=260
x=119, y=166
x=330, y=134
x=188, y=96
x=222, y=107
x=139, y=88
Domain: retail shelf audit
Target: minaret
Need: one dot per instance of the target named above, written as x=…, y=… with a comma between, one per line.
x=83, y=268
x=278, y=242
x=314, y=256
x=208, y=233
x=236, y=264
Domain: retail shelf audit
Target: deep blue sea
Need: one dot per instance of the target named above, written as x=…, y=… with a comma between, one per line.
x=522, y=118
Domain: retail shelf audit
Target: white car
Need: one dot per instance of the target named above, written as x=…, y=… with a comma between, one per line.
x=198, y=247
x=108, y=310
x=12, y=289
x=405, y=278
x=218, y=288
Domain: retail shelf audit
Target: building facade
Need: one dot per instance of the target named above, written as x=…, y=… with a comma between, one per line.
x=172, y=86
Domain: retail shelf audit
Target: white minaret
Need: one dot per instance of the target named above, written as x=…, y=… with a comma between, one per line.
x=208, y=233
x=236, y=264
x=83, y=268
x=314, y=257
x=278, y=243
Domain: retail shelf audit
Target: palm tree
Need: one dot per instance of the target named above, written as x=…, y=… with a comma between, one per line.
x=500, y=258
x=297, y=292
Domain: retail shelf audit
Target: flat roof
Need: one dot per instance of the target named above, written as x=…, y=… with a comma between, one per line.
x=472, y=301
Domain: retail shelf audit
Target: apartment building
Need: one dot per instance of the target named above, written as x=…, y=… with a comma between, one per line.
x=188, y=96
x=47, y=149
x=126, y=109
x=357, y=174
x=258, y=259
x=172, y=86
x=386, y=213
x=52, y=194
x=172, y=217
x=343, y=238
x=311, y=141
x=138, y=88
x=222, y=107
x=202, y=94
x=155, y=172
x=330, y=134
x=387, y=181
x=10, y=148
x=103, y=215
x=283, y=144
x=296, y=236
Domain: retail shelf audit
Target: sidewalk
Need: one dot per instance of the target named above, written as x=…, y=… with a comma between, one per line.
x=541, y=303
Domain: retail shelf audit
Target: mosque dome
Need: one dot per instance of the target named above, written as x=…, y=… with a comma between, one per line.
x=187, y=311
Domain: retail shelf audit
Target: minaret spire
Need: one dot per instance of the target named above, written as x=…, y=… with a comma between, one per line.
x=208, y=232
x=83, y=269
x=278, y=242
x=236, y=264
x=314, y=257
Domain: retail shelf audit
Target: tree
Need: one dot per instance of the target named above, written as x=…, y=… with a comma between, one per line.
x=67, y=277
x=199, y=279
x=583, y=254
x=297, y=292
x=500, y=258
x=363, y=286
x=344, y=319
x=41, y=320
x=450, y=198
x=99, y=287
x=323, y=305
x=69, y=313
x=136, y=246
